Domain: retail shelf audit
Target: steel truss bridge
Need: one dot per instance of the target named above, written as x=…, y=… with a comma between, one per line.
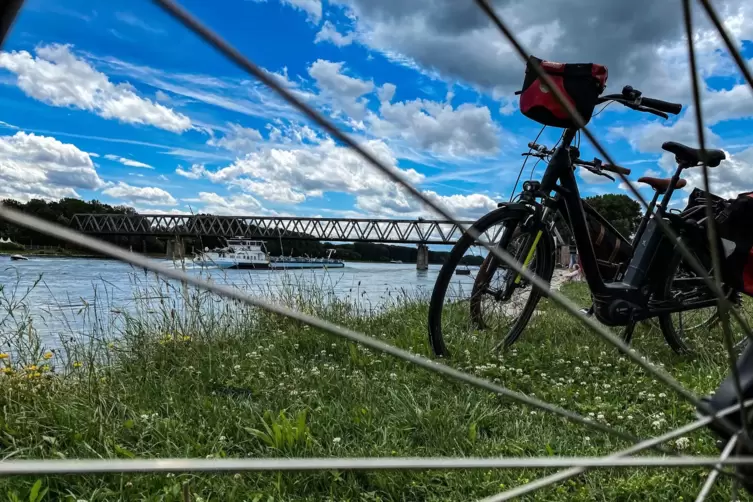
x=422, y=232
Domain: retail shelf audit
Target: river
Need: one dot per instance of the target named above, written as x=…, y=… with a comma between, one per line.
x=69, y=291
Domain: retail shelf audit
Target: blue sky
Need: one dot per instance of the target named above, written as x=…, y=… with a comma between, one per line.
x=116, y=101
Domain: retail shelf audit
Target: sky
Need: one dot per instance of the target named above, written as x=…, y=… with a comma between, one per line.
x=118, y=102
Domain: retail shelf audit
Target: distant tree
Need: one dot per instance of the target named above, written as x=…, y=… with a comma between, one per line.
x=618, y=209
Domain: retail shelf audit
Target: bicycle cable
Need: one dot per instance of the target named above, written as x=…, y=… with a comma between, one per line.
x=525, y=160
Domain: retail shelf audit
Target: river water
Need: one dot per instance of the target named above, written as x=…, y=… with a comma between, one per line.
x=60, y=295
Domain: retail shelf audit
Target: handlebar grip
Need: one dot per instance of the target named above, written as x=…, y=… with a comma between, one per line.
x=662, y=106
x=615, y=169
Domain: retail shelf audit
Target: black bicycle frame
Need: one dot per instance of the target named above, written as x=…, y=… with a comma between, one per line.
x=615, y=303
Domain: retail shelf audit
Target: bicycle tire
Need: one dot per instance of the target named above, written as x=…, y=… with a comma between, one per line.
x=675, y=339
x=545, y=268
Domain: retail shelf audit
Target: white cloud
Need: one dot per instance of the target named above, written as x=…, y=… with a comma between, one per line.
x=398, y=204
x=195, y=172
x=127, y=162
x=291, y=175
x=34, y=166
x=152, y=196
x=457, y=40
x=311, y=7
x=213, y=203
x=238, y=139
x=345, y=92
x=429, y=125
x=136, y=22
x=730, y=178
x=329, y=33
x=162, y=96
x=275, y=192
x=57, y=77
x=462, y=131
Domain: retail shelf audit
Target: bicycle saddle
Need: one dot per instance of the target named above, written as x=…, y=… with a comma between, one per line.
x=661, y=185
x=693, y=156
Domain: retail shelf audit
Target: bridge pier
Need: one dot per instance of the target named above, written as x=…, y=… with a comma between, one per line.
x=175, y=249
x=422, y=260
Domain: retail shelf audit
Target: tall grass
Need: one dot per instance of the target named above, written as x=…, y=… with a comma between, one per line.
x=186, y=374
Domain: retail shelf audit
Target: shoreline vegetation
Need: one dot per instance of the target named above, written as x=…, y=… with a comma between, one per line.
x=194, y=376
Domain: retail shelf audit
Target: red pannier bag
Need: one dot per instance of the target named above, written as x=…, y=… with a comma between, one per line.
x=580, y=83
x=735, y=228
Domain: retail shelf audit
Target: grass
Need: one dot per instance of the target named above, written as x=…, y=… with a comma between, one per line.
x=208, y=379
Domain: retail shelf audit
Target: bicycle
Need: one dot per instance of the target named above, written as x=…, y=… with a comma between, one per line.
x=642, y=279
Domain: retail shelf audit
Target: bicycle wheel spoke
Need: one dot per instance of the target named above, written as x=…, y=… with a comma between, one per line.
x=179, y=465
x=573, y=114
x=710, y=216
x=644, y=445
x=706, y=488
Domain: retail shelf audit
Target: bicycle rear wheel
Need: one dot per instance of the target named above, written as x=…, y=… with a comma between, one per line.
x=484, y=306
x=688, y=332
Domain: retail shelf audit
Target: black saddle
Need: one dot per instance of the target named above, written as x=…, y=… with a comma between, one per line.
x=693, y=156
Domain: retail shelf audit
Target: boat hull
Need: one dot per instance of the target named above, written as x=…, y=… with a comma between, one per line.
x=304, y=265
x=281, y=265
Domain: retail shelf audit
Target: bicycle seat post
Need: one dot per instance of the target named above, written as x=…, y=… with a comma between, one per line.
x=672, y=184
x=644, y=220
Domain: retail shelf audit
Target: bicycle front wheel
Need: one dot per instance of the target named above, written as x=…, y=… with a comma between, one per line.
x=477, y=301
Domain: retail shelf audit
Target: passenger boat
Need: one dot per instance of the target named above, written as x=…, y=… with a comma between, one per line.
x=240, y=253
x=17, y=257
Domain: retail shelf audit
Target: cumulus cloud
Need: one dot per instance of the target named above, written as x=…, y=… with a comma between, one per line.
x=462, y=131
x=731, y=178
x=398, y=204
x=127, y=162
x=238, y=139
x=329, y=33
x=212, y=203
x=59, y=78
x=313, y=8
x=34, y=166
x=458, y=41
x=195, y=172
x=345, y=92
x=292, y=175
x=718, y=106
x=152, y=196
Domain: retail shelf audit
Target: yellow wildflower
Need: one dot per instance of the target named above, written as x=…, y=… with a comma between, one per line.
x=48, y=355
x=37, y=374
x=186, y=338
x=77, y=364
x=7, y=371
x=46, y=367
x=32, y=367
x=4, y=356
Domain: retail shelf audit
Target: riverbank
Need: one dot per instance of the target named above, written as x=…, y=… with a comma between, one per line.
x=238, y=382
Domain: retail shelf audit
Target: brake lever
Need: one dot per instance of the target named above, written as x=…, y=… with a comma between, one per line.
x=597, y=172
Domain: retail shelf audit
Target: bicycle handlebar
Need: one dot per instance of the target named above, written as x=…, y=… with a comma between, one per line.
x=632, y=98
x=662, y=106
x=616, y=169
